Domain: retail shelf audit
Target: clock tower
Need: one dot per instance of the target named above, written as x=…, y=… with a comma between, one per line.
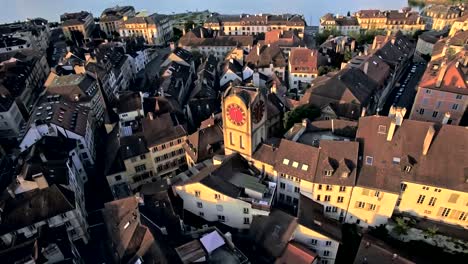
x=244, y=119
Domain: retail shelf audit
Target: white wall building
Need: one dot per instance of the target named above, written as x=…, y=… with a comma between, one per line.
x=221, y=202
x=11, y=119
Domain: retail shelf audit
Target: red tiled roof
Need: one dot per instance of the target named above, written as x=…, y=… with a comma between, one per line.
x=303, y=60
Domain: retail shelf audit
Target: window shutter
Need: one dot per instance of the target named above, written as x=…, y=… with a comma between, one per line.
x=356, y=205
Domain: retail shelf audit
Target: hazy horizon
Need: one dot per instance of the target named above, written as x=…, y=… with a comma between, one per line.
x=13, y=10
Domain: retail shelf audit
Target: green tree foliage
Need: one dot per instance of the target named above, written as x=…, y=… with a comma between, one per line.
x=367, y=37
x=298, y=114
x=401, y=227
x=348, y=55
x=322, y=70
x=320, y=38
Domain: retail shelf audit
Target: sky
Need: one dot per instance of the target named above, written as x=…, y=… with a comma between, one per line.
x=13, y=10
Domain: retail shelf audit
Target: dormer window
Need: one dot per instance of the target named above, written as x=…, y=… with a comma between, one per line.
x=295, y=164
x=285, y=161
x=382, y=129
x=344, y=175
x=328, y=172
x=305, y=167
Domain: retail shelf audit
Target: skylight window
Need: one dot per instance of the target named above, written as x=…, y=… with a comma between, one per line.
x=305, y=167
x=285, y=161
x=369, y=160
x=295, y=164
x=396, y=160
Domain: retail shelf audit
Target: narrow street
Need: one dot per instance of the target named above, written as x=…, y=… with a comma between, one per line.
x=403, y=96
x=147, y=78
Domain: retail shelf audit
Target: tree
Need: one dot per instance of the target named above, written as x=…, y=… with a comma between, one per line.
x=298, y=114
x=401, y=227
x=322, y=70
x=431, y=232
x=348, y=55
x=320, y=38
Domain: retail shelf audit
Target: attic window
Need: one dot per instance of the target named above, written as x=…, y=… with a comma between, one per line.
x=396, y=160
x=344, y=175
x=126, y=225
x=369, y=160
x=327, y=172
x=305, y=167
x=285, y=161
x=295, y=164
x=382, y=129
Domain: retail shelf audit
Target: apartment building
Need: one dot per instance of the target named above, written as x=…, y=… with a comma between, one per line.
x=22, y=74
x=247, y=24
x=40, y=207
x=127, y=237
x=303, y=66
x=55, y=116
x=211, y=42
x=315, y=236
x=156, y=29
x=460, y=24
x=80, y=88
x=50, y=245
x=82, y=22
x=230, y=191
x=324, y=167
x=439, y=17
x=413, y=189
x=346, y=25
x=111, y=18
x=267, y=60
x=144, y=147
x=442, y=93
x=11, y=119
x=405, y=20
x=286, y=40
x=31, y=34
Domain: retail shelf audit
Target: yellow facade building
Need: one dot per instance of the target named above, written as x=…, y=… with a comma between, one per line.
x=461, y=24
x=405, y=21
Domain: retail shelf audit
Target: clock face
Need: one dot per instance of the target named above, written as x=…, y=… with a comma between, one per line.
x=236, y=114
x=258, y=110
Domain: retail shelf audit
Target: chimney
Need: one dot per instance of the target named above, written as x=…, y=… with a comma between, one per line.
x=202, y=35
x=40, y=181
x=391, y=130
x=172, y=45
x=428, y=139
x=184, y=31
x=366, y=67
x=150, y=115
x=43, y=157
x=258, y=50
x=446, y=118
x=87, y=56
x=441, y=75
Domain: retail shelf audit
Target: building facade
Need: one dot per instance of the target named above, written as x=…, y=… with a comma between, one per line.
x=247, y=24
x=155, y=29
x=82, y=22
